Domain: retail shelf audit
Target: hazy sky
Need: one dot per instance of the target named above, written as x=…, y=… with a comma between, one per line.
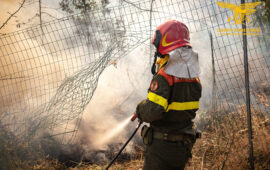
x=28, y=15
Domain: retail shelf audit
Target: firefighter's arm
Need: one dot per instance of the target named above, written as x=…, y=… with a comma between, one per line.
x=153, y=108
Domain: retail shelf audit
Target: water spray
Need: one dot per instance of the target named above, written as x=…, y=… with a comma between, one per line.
x=113, y=132
x=124, y=146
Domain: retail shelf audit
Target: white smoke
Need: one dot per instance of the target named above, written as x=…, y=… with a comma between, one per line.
x=121, y=87
x=28, y=15
x=119, y=90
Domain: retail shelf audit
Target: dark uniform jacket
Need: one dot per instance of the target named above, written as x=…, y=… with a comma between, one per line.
x=171, y=103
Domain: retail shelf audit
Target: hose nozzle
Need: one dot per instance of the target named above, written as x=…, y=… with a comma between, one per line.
x=134, y=117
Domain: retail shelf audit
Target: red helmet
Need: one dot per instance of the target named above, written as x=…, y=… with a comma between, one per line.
x=171, y=35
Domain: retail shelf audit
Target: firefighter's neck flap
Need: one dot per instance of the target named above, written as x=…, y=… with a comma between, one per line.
x=183, y=63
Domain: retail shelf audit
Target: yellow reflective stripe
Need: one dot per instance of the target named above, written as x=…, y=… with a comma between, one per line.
x=183, y=105
x=158, y=100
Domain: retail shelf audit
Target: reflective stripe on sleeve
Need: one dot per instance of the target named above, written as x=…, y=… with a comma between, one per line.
x=158, y=100
x=183, y=106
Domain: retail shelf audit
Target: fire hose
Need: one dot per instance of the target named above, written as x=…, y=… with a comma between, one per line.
x=123, y=147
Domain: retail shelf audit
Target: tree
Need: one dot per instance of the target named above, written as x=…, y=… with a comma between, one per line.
x=73, y=6
x=11, y=15
x=263, y=13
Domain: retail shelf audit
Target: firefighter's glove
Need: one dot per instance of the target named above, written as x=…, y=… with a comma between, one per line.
x=134, y=117
x=138, y=111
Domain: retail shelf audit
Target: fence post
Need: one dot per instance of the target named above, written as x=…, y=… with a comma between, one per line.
x=213, y=72
x=250, y=137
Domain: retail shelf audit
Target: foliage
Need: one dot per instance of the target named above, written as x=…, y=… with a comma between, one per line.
x=81, y=6
x=77, y=5
x=263, y=12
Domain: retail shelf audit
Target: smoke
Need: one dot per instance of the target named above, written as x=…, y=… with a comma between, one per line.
x=28, y=14
x=24, y=71
x=106, y=123
x=206, y=68
x=11, y=6
x=120, y=88
x=10, y=1
x=28, y=83
x=30, y=73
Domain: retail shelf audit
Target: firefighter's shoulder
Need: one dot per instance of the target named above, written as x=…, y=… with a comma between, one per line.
x=167, y=77
x=171, y=80
x=160, y=82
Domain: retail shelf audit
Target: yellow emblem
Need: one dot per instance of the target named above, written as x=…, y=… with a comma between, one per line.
x=239, y=11
x=164, y=43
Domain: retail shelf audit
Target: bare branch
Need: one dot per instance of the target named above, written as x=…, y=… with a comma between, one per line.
x=40, y=17
x=11, y=78
x=11, y=15
x=136, y=6
x=49, y=15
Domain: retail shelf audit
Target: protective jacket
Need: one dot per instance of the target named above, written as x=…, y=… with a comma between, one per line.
x=171, y=103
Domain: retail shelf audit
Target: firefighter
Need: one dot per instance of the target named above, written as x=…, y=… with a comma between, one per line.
x=172, y=101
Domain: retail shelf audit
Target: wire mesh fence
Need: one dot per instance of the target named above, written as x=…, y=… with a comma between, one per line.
x=49, y=75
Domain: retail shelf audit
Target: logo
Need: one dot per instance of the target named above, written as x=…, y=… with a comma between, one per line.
x=164, y=43
x=154, y=86
x=240, y=14
x=240, y=11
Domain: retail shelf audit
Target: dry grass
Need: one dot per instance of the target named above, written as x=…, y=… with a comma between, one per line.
x=224, y=145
